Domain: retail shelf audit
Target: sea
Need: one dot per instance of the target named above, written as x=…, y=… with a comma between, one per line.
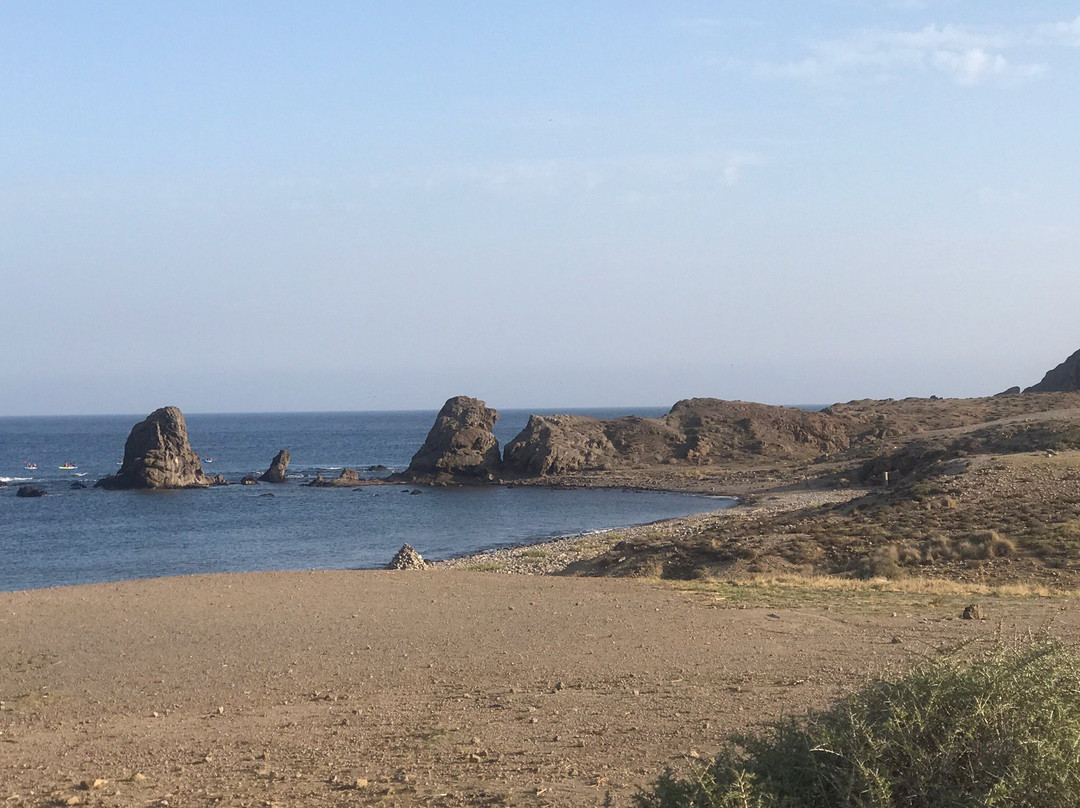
x=78, y=535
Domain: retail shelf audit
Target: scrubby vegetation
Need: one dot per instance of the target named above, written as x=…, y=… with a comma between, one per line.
x=999, y=518
x=1002, y=729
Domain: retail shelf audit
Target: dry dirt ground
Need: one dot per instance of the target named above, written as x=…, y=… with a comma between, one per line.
x=439, y=688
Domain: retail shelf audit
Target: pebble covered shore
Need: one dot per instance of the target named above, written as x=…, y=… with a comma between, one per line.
x=552, y=557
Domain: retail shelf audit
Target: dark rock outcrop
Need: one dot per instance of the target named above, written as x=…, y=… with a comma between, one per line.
x=558, y=444
x=1065, y=378
x=276, y=472
x=460, y=446
x=347, y=479
x=695, y=431
x=1012, y=391
x=407, y=559
x=157, y=455
x=30, y=491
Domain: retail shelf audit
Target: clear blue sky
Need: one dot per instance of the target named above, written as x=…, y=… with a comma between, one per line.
x=356, y=205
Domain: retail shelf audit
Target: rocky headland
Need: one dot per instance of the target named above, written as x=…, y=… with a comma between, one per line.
x=924, y=486
x=980, y=489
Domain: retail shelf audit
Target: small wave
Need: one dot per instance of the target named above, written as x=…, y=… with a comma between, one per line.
x=15, y=479
x=81, y=473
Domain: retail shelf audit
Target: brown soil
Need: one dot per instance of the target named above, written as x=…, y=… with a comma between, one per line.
x=436, y=688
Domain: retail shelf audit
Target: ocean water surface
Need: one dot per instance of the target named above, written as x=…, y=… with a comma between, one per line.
x=77, y=535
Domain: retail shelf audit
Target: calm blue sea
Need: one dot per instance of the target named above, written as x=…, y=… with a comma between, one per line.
x=75, y=536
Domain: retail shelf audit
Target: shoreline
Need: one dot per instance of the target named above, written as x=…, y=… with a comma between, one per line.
x=553, y=556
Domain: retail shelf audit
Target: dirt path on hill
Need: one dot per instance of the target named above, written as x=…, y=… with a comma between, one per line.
x=440, y=688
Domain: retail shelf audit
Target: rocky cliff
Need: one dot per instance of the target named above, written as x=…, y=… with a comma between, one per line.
x=732, y=430
x=696, y=431
x=1065, y=378
x=460, y=446
x=157, y=455
x=558, y=444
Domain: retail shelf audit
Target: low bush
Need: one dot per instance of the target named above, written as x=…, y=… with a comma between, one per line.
x=1000, y=730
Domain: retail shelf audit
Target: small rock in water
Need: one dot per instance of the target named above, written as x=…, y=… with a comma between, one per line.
x=30, y=491
x=407, y=559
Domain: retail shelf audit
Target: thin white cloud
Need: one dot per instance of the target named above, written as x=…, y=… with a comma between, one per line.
x=1065, y=33
x=976, y=66
x=968, y=56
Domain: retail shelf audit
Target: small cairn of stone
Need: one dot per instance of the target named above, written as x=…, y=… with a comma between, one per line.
x=407, y=559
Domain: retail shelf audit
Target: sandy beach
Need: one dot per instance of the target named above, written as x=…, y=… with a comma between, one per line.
x=440, y=687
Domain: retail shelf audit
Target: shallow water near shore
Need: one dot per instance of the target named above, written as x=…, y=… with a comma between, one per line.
x=75, y=536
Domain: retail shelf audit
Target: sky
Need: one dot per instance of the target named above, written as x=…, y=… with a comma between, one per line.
x=274, y=206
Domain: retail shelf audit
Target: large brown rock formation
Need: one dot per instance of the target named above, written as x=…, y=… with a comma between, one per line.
x=697, y=431
x=460, y=446
x=157, y=455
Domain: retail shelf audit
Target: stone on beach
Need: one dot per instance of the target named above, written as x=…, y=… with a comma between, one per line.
x=407, y=559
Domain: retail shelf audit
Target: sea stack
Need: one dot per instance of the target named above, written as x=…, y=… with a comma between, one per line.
x=157, y=455
x=278, y=466
x=460, y=448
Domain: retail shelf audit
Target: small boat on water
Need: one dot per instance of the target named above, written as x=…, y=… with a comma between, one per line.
x=67, y=466
x=208, y=460
x=29, y=466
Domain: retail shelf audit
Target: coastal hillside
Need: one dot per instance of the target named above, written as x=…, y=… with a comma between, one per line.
x=977, y=489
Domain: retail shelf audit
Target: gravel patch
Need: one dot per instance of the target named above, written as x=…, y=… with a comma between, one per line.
x=554, y=556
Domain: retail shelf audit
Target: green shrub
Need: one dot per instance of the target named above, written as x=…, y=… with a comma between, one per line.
x=1002, y=730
